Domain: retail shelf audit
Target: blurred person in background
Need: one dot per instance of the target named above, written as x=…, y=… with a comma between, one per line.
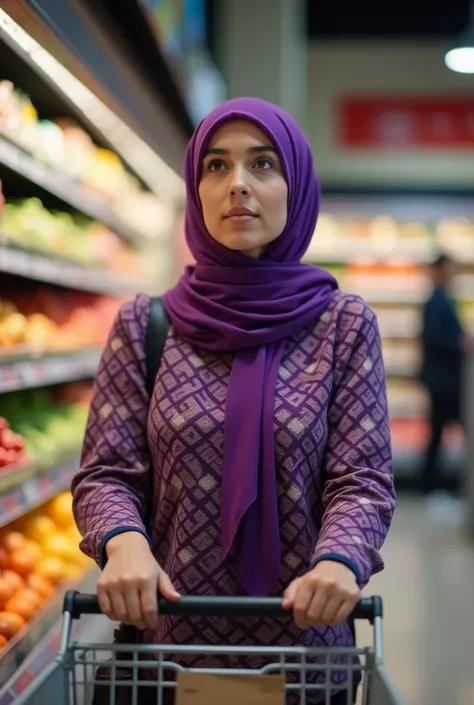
x=264, y=453
x=444, y=346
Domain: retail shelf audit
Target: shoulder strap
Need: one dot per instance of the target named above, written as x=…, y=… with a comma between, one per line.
x=156, y=334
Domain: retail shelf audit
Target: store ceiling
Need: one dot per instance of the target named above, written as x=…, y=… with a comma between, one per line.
x=373, y=18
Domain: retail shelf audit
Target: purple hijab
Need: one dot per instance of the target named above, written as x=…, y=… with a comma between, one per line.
x=230, y=302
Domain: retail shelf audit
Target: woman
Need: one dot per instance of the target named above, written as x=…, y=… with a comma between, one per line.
x=266, y=443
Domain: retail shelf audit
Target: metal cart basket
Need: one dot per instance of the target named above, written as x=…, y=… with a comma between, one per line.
x=71, y=678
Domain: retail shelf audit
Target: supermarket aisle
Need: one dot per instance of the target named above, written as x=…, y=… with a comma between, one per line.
x=429, y=609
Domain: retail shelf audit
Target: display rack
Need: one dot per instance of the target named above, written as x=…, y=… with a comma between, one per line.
x=62, y=272
x=58, y=184
x=77, y=238
x=23, y=489
x=31, y=370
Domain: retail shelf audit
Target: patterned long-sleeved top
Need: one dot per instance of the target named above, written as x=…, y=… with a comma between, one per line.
x=333, y=462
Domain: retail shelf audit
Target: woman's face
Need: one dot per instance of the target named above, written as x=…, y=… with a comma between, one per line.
x=242, y=189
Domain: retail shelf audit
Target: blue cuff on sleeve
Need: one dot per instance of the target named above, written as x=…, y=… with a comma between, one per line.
x=110, y=535
x=339, y=559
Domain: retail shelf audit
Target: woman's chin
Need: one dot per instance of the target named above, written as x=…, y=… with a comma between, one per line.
x=242, y=244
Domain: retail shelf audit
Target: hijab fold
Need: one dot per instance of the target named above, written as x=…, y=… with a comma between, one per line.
x=229, y=302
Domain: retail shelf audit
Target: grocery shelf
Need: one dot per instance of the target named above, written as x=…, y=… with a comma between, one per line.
x=64, y=273
x=37, y=644
x=26, y=488
x=30, y=369
x=373, y=257
x=363, y=251
x=61, y=185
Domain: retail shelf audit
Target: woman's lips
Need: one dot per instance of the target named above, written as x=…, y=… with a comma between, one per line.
x=242, y=218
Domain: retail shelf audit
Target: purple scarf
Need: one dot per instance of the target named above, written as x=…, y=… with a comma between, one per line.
x=230, y=302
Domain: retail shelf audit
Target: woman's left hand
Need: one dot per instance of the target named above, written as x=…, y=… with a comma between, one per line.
x=325, y=596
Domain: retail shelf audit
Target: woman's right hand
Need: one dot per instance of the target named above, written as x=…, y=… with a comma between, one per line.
x=127, y=588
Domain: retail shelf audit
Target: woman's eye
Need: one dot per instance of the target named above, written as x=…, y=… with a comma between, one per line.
x=216, y=165
x=264, y=163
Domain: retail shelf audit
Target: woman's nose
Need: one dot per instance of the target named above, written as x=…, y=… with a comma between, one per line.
x=239, y=184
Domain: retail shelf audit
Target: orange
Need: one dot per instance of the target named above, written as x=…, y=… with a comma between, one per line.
x=72, y=571
x=39, y=527
x=43, y=587
x=60, y=510
x=10, y=624
x=12, y=541
x=6, y=591
x=35, y=550
x=21, y=607
x=3, y=641
x=51, y=568
x=22, y=562
x=31, y=596
x=15, y=580
x=58, y=544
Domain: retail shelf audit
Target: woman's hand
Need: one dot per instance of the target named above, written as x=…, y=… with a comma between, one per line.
x=127, y=589
x=325, y=596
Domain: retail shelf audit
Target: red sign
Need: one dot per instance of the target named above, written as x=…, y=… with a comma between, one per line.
x=406, y=122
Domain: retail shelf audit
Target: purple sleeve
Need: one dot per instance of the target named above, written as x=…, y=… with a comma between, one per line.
x=111, y=487
x=358, y=495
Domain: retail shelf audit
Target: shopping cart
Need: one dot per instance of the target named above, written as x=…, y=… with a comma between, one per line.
x=71, y=679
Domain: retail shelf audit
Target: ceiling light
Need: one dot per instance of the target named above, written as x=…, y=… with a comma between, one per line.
x=461, y=57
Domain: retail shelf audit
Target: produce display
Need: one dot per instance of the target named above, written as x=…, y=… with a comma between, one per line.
x=385, y=260
x=367, y=239
x=37, y=555
x=29, y=225
x=67, y=148
x=49, y=423
x=42, y=319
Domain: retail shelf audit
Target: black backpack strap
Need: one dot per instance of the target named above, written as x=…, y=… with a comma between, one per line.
x=156, y=334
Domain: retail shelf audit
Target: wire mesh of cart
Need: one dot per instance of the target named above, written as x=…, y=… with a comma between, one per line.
x=144, y=674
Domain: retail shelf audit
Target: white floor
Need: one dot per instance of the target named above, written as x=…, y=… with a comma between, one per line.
x=428, y=591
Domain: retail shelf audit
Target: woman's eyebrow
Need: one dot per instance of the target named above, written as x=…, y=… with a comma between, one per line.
x=252, y=150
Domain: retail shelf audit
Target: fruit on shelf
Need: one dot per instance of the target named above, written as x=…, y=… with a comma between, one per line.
x=40, y=585
x=41, y=320
x=40, y=552
x=49, y=425
x=12, y=447
x=10, y=624
x=66, y=147
x=17, y=329
x=60, y=511
x=29, y=225
x=13, y=579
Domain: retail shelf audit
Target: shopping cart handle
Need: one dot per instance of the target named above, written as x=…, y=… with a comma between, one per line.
x=77, y=604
